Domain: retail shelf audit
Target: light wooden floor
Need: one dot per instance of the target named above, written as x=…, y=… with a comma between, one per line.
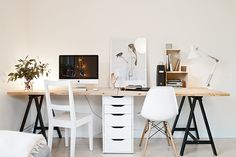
x=157, y=148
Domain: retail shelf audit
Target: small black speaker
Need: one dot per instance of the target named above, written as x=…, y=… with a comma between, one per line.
x=161, y=75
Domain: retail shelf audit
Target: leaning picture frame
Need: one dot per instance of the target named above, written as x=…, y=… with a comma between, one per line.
x=128, y=62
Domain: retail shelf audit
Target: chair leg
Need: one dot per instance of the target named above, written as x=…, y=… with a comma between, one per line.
x=144, y=131
x=171, y=139
x=167, y=134
x=147, y=137
x=72, y=142
x=90, y=131
x=50, y=136
x=67, y=137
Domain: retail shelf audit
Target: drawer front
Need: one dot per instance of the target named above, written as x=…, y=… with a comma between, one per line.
x=118, y=146
x=117, y=108
x=117, y=120
x=121, y=132
x=117, y=100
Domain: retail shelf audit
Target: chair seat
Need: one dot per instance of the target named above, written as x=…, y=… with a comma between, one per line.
x=66, y=116
x=81, y=118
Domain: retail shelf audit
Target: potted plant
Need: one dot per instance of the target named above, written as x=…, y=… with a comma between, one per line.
x=29, y=69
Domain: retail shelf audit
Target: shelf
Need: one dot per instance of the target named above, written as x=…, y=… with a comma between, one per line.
x=177, y=72
x=173, y=50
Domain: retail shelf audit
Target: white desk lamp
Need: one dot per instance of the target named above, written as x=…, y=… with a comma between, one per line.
x=195, y=53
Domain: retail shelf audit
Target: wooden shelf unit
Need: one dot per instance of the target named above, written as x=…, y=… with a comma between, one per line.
x=177, y=76
x=178, y=71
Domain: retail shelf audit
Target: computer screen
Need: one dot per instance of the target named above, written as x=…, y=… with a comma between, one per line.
x=81, y=67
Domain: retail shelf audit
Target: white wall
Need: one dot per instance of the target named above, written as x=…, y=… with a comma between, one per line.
x=13, y=44
x=87, y=26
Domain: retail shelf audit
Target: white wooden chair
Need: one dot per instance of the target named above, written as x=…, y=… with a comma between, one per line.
x=159, y=106
x=69, y=119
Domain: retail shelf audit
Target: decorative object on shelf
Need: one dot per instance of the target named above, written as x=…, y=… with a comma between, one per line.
x=196, y=53
x=29, y=69
x=168, y=45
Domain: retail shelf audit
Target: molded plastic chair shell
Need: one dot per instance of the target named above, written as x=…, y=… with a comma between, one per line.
x=160, y=104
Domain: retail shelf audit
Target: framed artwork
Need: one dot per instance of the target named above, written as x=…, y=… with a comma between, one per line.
x=128, y=62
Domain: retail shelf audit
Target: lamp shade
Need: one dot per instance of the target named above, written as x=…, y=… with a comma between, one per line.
x=140, y=45
x=195, y=53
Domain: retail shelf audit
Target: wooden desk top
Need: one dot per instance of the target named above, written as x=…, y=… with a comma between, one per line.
x=197, y=91
x=100, y=91
x=116, y=92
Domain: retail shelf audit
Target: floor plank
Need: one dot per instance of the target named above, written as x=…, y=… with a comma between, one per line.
x=157, y=148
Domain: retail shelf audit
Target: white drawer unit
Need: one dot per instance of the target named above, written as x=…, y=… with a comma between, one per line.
x=121, y=119
x=118, y=146
x=118, y=124
x=117, y=108
x=117, y=100
x=120, y=132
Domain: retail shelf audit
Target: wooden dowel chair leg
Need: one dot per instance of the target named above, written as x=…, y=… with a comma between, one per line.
x=144, y=132
x=147, y=137
x=171, y=139
x=167, y=134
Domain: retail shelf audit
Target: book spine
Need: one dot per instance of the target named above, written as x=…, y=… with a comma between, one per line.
x=170, y=62
x=177, y=65
x=167, y=63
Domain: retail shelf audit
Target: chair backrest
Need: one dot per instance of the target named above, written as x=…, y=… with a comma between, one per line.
x=160, y=104
x=65, y=84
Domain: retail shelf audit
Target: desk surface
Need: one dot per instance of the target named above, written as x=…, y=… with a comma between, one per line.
x=116, y=92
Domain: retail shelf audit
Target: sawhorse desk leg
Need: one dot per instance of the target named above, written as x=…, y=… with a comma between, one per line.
x=177, y=118
x=38, y=104
x=188, y=127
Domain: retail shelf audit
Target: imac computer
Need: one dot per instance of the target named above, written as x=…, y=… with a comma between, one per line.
x=82, y=68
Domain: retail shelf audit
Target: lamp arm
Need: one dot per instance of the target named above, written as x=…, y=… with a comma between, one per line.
x=211, y=74
x=214, y=58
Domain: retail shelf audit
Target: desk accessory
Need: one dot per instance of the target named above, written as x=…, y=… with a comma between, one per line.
x=84, y=68
x=135, y=89
x=29, y=69
x=195, y=52
x=161, y=75
x=113, y=80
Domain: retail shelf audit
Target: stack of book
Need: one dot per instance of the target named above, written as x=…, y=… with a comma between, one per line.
x=174, y=83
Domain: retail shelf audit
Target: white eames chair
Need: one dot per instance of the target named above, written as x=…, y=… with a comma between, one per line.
x=68, y=119
x=159, y=106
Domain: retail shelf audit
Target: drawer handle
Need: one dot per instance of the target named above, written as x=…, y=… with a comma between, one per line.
x=117, y=105
x=118, y=139
x=117, y=96
x=117, y=114
x=117, y=127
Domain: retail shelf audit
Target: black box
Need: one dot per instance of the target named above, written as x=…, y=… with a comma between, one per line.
x=161, y=75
